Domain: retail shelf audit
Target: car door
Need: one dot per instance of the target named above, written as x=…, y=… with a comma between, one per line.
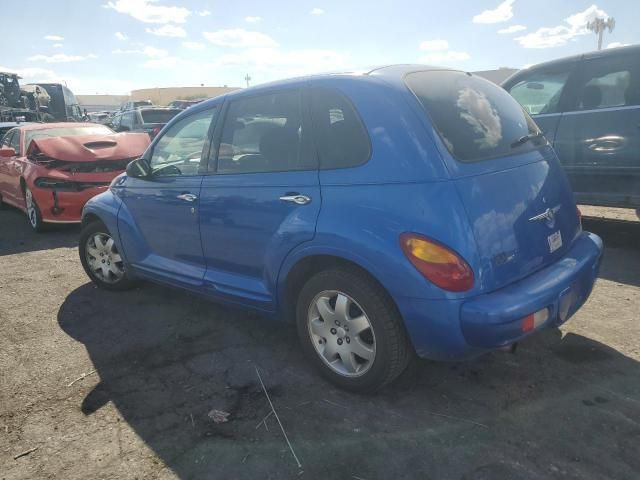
x=158, y=222
x=11, y=169
x=5, y=163
x=542, y=92
x=598, y=138
x=128, y=121
x=262, y=198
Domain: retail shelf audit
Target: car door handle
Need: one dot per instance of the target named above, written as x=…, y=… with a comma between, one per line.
x=188, y=197
x=296, y=198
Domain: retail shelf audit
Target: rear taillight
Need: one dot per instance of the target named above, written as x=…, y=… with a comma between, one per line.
x=579, y=213
x=439, y=264
x=155, y=131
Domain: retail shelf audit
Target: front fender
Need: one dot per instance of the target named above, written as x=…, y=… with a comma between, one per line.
x=106, y=207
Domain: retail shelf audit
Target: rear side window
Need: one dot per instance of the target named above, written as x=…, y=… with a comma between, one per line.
x=539, y=92
x=476, y=119
x=341, y=139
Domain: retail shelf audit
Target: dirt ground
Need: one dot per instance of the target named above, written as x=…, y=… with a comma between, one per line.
x=119, y=386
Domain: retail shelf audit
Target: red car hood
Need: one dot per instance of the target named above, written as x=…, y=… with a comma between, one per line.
x=87, y=148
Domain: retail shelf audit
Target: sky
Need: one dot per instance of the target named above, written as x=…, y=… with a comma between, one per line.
x=114, y=46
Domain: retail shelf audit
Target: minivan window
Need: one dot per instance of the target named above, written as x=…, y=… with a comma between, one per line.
x=341, y=139
x=539, y=92
x=180, y=150
x=608, y=82
x=264, y=134
x=475, y=118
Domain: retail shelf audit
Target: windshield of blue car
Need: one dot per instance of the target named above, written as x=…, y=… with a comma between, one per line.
x=476, y=119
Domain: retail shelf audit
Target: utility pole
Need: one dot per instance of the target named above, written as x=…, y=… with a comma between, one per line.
x=246, y=79
x=598, y=26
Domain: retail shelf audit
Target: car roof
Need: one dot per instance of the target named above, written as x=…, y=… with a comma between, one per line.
x=628, y=50
x=13, y=124
x=393, y=74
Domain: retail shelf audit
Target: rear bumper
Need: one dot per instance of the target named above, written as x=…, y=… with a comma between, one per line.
x=495, y=319
x=449, y=329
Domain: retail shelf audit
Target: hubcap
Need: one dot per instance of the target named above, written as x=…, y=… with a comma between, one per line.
x=31, y=208
x=103, y=258
x=341, y=333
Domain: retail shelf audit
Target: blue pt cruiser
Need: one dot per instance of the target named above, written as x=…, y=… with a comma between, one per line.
x=402, y=210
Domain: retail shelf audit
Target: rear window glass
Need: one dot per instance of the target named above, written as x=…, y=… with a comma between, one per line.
x=476, y=119
x=158, y=116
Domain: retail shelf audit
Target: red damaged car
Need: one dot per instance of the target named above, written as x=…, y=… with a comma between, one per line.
x=51, y=170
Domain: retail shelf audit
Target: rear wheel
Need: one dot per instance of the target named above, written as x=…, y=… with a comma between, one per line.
x=4, y=102
x=101, y=260
x=33, y=212
x=351, y=330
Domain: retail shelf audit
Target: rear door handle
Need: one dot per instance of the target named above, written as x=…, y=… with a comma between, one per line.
x=188, y=197
x=296, y=198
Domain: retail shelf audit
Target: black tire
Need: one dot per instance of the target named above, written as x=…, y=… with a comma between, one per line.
x=34, y=216
x=4, y=102
x=88, y=232
x=393, y=350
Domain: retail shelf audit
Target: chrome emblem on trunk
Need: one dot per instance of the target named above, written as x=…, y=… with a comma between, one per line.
x=549, y=216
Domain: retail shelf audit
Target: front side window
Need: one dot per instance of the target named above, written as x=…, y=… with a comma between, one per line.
x=14, y=141
x=608, y=82
x=341, y=139
x=181, y=148
x=540, y=91
x=476, y=119
x=6, y=140
x=264, y=134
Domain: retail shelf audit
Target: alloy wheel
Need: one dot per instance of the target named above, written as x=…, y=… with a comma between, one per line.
x=32, y=213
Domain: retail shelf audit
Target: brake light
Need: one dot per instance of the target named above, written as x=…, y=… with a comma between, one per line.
x=579, y=216
x=437, y=263
x=155, y=131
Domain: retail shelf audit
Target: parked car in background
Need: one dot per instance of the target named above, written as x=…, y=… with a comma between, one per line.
x=183, y=104
x=143, y=119
x=99, y=117
x=131, y=105
x=63, y=105
x=437, y=221
x=50, y=170
x=589, y=108
x=10, y=95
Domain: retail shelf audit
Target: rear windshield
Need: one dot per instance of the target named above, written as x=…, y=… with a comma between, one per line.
x=476, y=119
x=158, y=116
x=67, y=132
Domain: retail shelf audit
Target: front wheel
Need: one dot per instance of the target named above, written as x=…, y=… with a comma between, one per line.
x=351, y=330
x=33, y=212
x=101, y=260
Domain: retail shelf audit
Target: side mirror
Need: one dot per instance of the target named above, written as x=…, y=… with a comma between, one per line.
x=7, y=152
x=138, y=168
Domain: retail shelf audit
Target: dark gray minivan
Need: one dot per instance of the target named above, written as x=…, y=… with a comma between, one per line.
x=588, y=106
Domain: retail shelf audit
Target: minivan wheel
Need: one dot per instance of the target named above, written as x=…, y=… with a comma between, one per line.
x=351, y=330
x=101, y=260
